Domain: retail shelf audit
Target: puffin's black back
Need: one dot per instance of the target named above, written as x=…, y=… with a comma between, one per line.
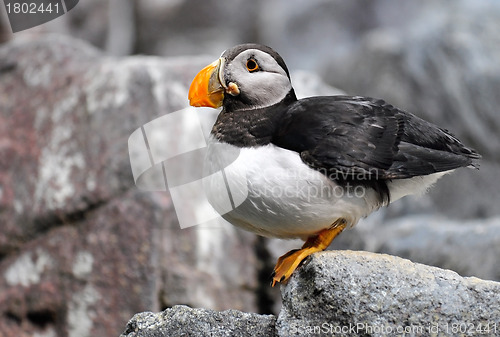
x=358, y=135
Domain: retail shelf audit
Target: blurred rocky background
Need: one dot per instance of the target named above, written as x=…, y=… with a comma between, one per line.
x=82, y=249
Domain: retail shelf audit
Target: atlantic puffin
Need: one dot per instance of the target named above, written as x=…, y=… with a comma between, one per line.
x=317, y=165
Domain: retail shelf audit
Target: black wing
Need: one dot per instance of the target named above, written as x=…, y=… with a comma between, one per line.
x=353, y=137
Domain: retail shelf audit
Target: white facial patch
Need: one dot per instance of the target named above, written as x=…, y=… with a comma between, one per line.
x=265, y=87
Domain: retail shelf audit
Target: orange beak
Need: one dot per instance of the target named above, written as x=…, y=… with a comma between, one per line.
x=206, y=88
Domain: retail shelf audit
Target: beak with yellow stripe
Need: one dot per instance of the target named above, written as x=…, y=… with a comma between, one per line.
x=208, y=86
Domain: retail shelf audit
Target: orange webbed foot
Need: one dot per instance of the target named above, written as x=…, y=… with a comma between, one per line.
x=287, y=263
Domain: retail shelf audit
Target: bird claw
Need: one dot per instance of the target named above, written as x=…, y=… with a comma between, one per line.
x=287, y=264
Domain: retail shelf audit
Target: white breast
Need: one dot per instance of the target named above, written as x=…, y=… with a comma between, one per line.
x=273, y=193
x=277, y=195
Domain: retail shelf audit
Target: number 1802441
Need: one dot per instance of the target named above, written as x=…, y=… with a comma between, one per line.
x=32, y=8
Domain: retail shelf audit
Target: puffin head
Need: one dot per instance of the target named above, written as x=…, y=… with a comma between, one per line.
x=247, y=76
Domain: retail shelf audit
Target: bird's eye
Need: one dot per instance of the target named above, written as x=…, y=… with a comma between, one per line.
x=252, y=65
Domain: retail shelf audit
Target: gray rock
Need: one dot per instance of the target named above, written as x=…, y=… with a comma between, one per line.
x=440, y=242
x=184, y=321
x=168, y=28
x=380, y=295
x=350, y=293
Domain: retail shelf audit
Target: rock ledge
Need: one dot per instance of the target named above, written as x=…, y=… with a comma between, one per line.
x=181, y=320
x=337, y=293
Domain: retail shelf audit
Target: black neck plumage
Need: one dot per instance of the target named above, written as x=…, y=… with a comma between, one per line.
x=250, y=127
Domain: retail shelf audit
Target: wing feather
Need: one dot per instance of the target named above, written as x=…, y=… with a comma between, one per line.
x=353, y=137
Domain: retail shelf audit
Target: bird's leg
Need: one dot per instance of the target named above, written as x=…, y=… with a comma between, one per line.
x=290, y=261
